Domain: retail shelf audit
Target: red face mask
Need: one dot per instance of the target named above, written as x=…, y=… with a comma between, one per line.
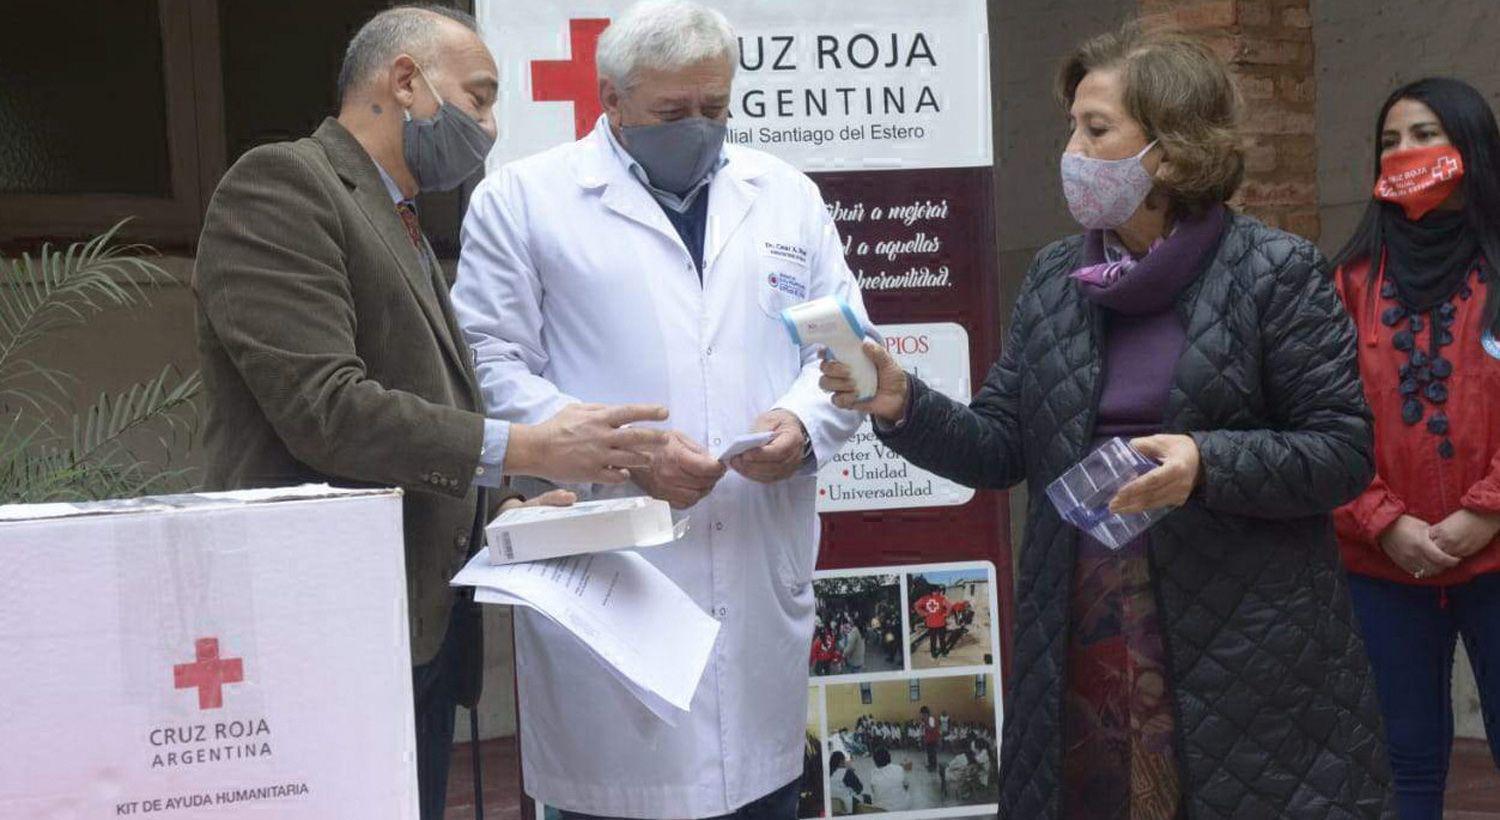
x=1420, y=179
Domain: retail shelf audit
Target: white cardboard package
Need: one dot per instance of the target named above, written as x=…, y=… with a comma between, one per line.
x=236, y=655
x=539, y=533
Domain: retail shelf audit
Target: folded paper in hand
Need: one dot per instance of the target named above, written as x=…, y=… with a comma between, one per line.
x=744, y=444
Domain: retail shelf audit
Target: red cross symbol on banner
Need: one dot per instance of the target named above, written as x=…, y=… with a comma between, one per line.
x=208, y=674
x=1447, y=168
x=575, y=80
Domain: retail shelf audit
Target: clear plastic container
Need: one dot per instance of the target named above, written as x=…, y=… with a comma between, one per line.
x=1082, y=494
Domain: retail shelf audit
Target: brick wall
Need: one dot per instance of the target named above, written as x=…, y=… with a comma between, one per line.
x=1269, y=46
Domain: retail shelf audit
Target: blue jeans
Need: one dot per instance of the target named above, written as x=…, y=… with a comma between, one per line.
x=1410, y=636
x=778, y=805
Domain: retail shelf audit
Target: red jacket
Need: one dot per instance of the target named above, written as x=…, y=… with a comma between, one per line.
x=821, y=651
x=932, y=732
x=1411, y=478
x=934, y=608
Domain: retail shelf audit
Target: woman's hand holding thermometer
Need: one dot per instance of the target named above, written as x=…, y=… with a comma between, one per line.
x=829, y=322
x=859, y=372
x=889, y=402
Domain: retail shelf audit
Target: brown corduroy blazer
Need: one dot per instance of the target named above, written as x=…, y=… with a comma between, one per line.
x=330, y=353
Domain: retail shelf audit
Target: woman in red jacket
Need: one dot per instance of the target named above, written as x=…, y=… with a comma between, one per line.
x=933, y=608
x=1421, y=543
x=823, y=652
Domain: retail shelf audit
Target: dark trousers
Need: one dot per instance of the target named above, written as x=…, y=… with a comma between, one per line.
x=932, y=752
x=778, y=805
x=436, y=688
x=938, y=640
x=1410, y=634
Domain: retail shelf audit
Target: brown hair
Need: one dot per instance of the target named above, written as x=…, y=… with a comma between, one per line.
x=1183, y=96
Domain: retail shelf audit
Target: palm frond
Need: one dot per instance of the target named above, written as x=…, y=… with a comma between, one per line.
x=65, y=288
x=110, y=419
x=62, y=288
x=30, y=471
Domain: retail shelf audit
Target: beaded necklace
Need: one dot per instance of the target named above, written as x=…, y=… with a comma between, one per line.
x=1424, y=375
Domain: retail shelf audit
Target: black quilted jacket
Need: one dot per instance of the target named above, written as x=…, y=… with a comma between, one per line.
x=1276, y=710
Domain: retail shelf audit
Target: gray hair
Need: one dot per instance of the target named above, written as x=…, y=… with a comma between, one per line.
x=405, y=29
x=663, y=35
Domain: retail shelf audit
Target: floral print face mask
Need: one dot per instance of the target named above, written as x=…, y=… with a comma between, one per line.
x=1103, y=193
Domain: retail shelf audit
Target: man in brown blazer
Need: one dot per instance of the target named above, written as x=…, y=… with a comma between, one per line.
x=330, y=351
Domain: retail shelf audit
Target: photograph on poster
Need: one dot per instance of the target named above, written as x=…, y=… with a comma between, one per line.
x=810, y=795
x=908, y=745
x=858, y=626
x=950, y=619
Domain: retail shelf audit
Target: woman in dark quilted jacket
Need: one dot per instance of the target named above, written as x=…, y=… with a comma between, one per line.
x=1211, y=668
x=1422, y=544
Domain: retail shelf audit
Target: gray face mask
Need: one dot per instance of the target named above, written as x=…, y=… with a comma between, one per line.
x=443, y=151
x=676, y=155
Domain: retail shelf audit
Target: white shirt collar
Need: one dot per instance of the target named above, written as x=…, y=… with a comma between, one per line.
x=1115, y=250
x=390, y=185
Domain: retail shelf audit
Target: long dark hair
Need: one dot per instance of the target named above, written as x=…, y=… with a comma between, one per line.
x=1470, y=124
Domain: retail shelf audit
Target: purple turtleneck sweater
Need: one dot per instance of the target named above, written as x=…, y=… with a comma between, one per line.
x=1143, y=336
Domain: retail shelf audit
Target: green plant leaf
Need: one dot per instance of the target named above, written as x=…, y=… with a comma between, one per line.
x=40, y=296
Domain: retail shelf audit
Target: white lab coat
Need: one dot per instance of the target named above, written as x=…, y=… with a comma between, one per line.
x=573, y=286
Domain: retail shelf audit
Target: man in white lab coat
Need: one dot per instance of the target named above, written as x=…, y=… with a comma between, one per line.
x=649, y=262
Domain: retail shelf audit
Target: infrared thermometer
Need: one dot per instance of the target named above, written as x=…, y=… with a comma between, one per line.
x=829, y=322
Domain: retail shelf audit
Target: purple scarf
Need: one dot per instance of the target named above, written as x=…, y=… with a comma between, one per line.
x=1151, y=284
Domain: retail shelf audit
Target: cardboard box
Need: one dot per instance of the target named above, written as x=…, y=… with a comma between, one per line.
x=229, y=656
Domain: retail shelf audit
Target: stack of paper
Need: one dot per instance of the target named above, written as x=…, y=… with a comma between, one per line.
x=608, y=600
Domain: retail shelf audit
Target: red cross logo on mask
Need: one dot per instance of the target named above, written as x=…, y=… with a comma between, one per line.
x=1447, y=168
x=575, y=80
x=208, y=674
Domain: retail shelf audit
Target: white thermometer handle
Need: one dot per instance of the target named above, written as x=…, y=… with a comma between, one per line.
x=828, y=321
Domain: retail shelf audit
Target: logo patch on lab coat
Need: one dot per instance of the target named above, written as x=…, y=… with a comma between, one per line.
x=788, y=284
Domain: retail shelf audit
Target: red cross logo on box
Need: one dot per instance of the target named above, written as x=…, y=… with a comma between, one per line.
x=1447, y=168
x=575, y=80
x=208, y=674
